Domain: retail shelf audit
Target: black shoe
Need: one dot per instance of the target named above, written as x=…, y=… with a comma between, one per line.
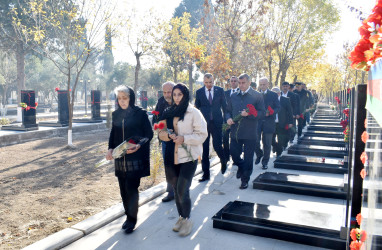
x=238, y=174
x=204, y=179
x=265, y=166
x=243, y=185
x=168, y=198
x=125, y=224
x=129, y=230
x=224, y=166
x=258, y=159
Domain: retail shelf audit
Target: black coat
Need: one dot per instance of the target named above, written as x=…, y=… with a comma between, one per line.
x=304, y=100
x=267, y=125
x=162, y=104
x=285, y=115
x=136, y=123
x=295, y=102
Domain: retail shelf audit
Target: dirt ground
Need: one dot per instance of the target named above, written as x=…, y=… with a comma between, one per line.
x=46, y=187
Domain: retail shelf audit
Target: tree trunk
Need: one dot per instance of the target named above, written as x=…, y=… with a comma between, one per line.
x=137, y=68
x=190, y=81
x=175, y=75
x=283, y=76
x=363, y=77
x=270, y=69
x=20, y=61
x=295, y=79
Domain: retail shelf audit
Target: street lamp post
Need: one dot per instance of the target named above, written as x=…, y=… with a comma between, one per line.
x=86, y=103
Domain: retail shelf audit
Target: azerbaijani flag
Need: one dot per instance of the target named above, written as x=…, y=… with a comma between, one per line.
x=374, y=92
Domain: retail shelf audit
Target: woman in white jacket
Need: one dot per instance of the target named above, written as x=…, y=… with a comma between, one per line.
x=184, y=132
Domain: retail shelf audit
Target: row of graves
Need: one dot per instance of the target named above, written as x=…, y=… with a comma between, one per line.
x=340, y=142
x=29, y=107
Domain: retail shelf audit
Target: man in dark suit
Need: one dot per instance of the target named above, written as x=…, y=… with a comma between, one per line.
x=284, y=122
x=244, y=132
x=210, y=100
x=295, y=102
x=304, y=106
x=234, y=81
x=164, y=102
x=267, y=126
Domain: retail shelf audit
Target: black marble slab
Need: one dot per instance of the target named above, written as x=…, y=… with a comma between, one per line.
x=326, y=120
x=325, y=128
x=293, y=225
x=315, y=150
x=330, y=123
x=88, y=120
x=53, y=124
x=322, y=141
x=324, y=134
x=20, y=127
x=313, y=164
x=327, y=187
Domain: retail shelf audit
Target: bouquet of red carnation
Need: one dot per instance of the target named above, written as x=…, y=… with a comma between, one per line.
x=271, y=111
x=251, y=110
x=159, y=126
x=337, y=99
x=344, y=123
x=346, y=112
x=286, y=126
x=154, y=112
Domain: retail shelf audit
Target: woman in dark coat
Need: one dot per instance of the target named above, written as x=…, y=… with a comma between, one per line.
x=130, y=121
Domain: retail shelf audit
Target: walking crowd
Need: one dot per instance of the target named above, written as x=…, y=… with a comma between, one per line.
x=237, y=120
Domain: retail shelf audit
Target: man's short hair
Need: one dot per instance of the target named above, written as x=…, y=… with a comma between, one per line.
x=253, y=85
x=168, y=83
x=291, y=85
x=276, y=90
x=298, y=83
x=285, y=83
x=263, y=79
x=246, y=76
x=208, y=75
x=233, y=77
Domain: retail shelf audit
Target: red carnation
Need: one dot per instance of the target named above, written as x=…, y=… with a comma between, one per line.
x=323, y=159
x=363, y=173
x=132, y=141
x=57, y=89
x=353, y=234
x=363, y=236
x=301, y=116
x=346, y=112
x=286, y=127
x=271, y=111
x=36, y=104
x=161, y=125
x=355, y=245
x=252, y=110
x=364, y=136
x=154, y=112
x=349, y=90
x=359, y=218
x=27, y=108
x=155, y=126
x=364, y=157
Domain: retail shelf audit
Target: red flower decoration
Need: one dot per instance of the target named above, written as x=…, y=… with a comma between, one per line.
x=363, y=175
x=323, y=159
x=301, y=116
x=344, y=123
x=346, y=112
x=155, y=126
x=286, y=127
x=353, y=234
x=364, y=136
x=70, y=90
x=349, y=90
x=359, y=218
x=56, y=89
x=161, y=125
x=364, y=157
x=355, y=245
x=36, y=104
x=271, y=111
x=27, y=108
x=132, y=141
x=363, y=236
x=154, y=112
x=365, y=123
x=252, y=110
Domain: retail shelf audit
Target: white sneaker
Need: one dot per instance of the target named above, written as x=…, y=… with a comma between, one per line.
x=186, y=227
x=178, y=224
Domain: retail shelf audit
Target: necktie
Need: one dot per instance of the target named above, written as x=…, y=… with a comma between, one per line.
x=209, y=96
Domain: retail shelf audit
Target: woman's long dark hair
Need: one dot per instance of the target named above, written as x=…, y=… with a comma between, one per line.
x=177, y=110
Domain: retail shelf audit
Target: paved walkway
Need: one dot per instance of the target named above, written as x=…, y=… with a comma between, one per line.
x=156, y=219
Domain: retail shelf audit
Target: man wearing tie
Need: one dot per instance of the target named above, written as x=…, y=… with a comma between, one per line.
x=244, y=133
x=284, y=120
x=210, y=100
x=295, y=102
x=234, y=81
x=267, y=126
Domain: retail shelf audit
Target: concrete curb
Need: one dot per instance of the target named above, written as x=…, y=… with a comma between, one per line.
x=22, y=137
x=69, y=235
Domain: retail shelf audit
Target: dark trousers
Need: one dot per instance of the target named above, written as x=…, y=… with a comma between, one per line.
x=226, y=144
x=169, y=188
x=245, y=165
x=267, y=143
x=301, y=125
x=292, y=131
x=216, y=133
x=307, y=117
x=128, y=187
x=282, y=139
x=180, y=176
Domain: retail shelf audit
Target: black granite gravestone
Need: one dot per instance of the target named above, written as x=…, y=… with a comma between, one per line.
x=302, y=184
x=289, y=224
x=314, y=150
x=63, y=111
x=95, y=107
x=28, y=113
x=330, y=128
x=160, y=94
x=313, y=164
x=322, y=141
x=316, y=133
